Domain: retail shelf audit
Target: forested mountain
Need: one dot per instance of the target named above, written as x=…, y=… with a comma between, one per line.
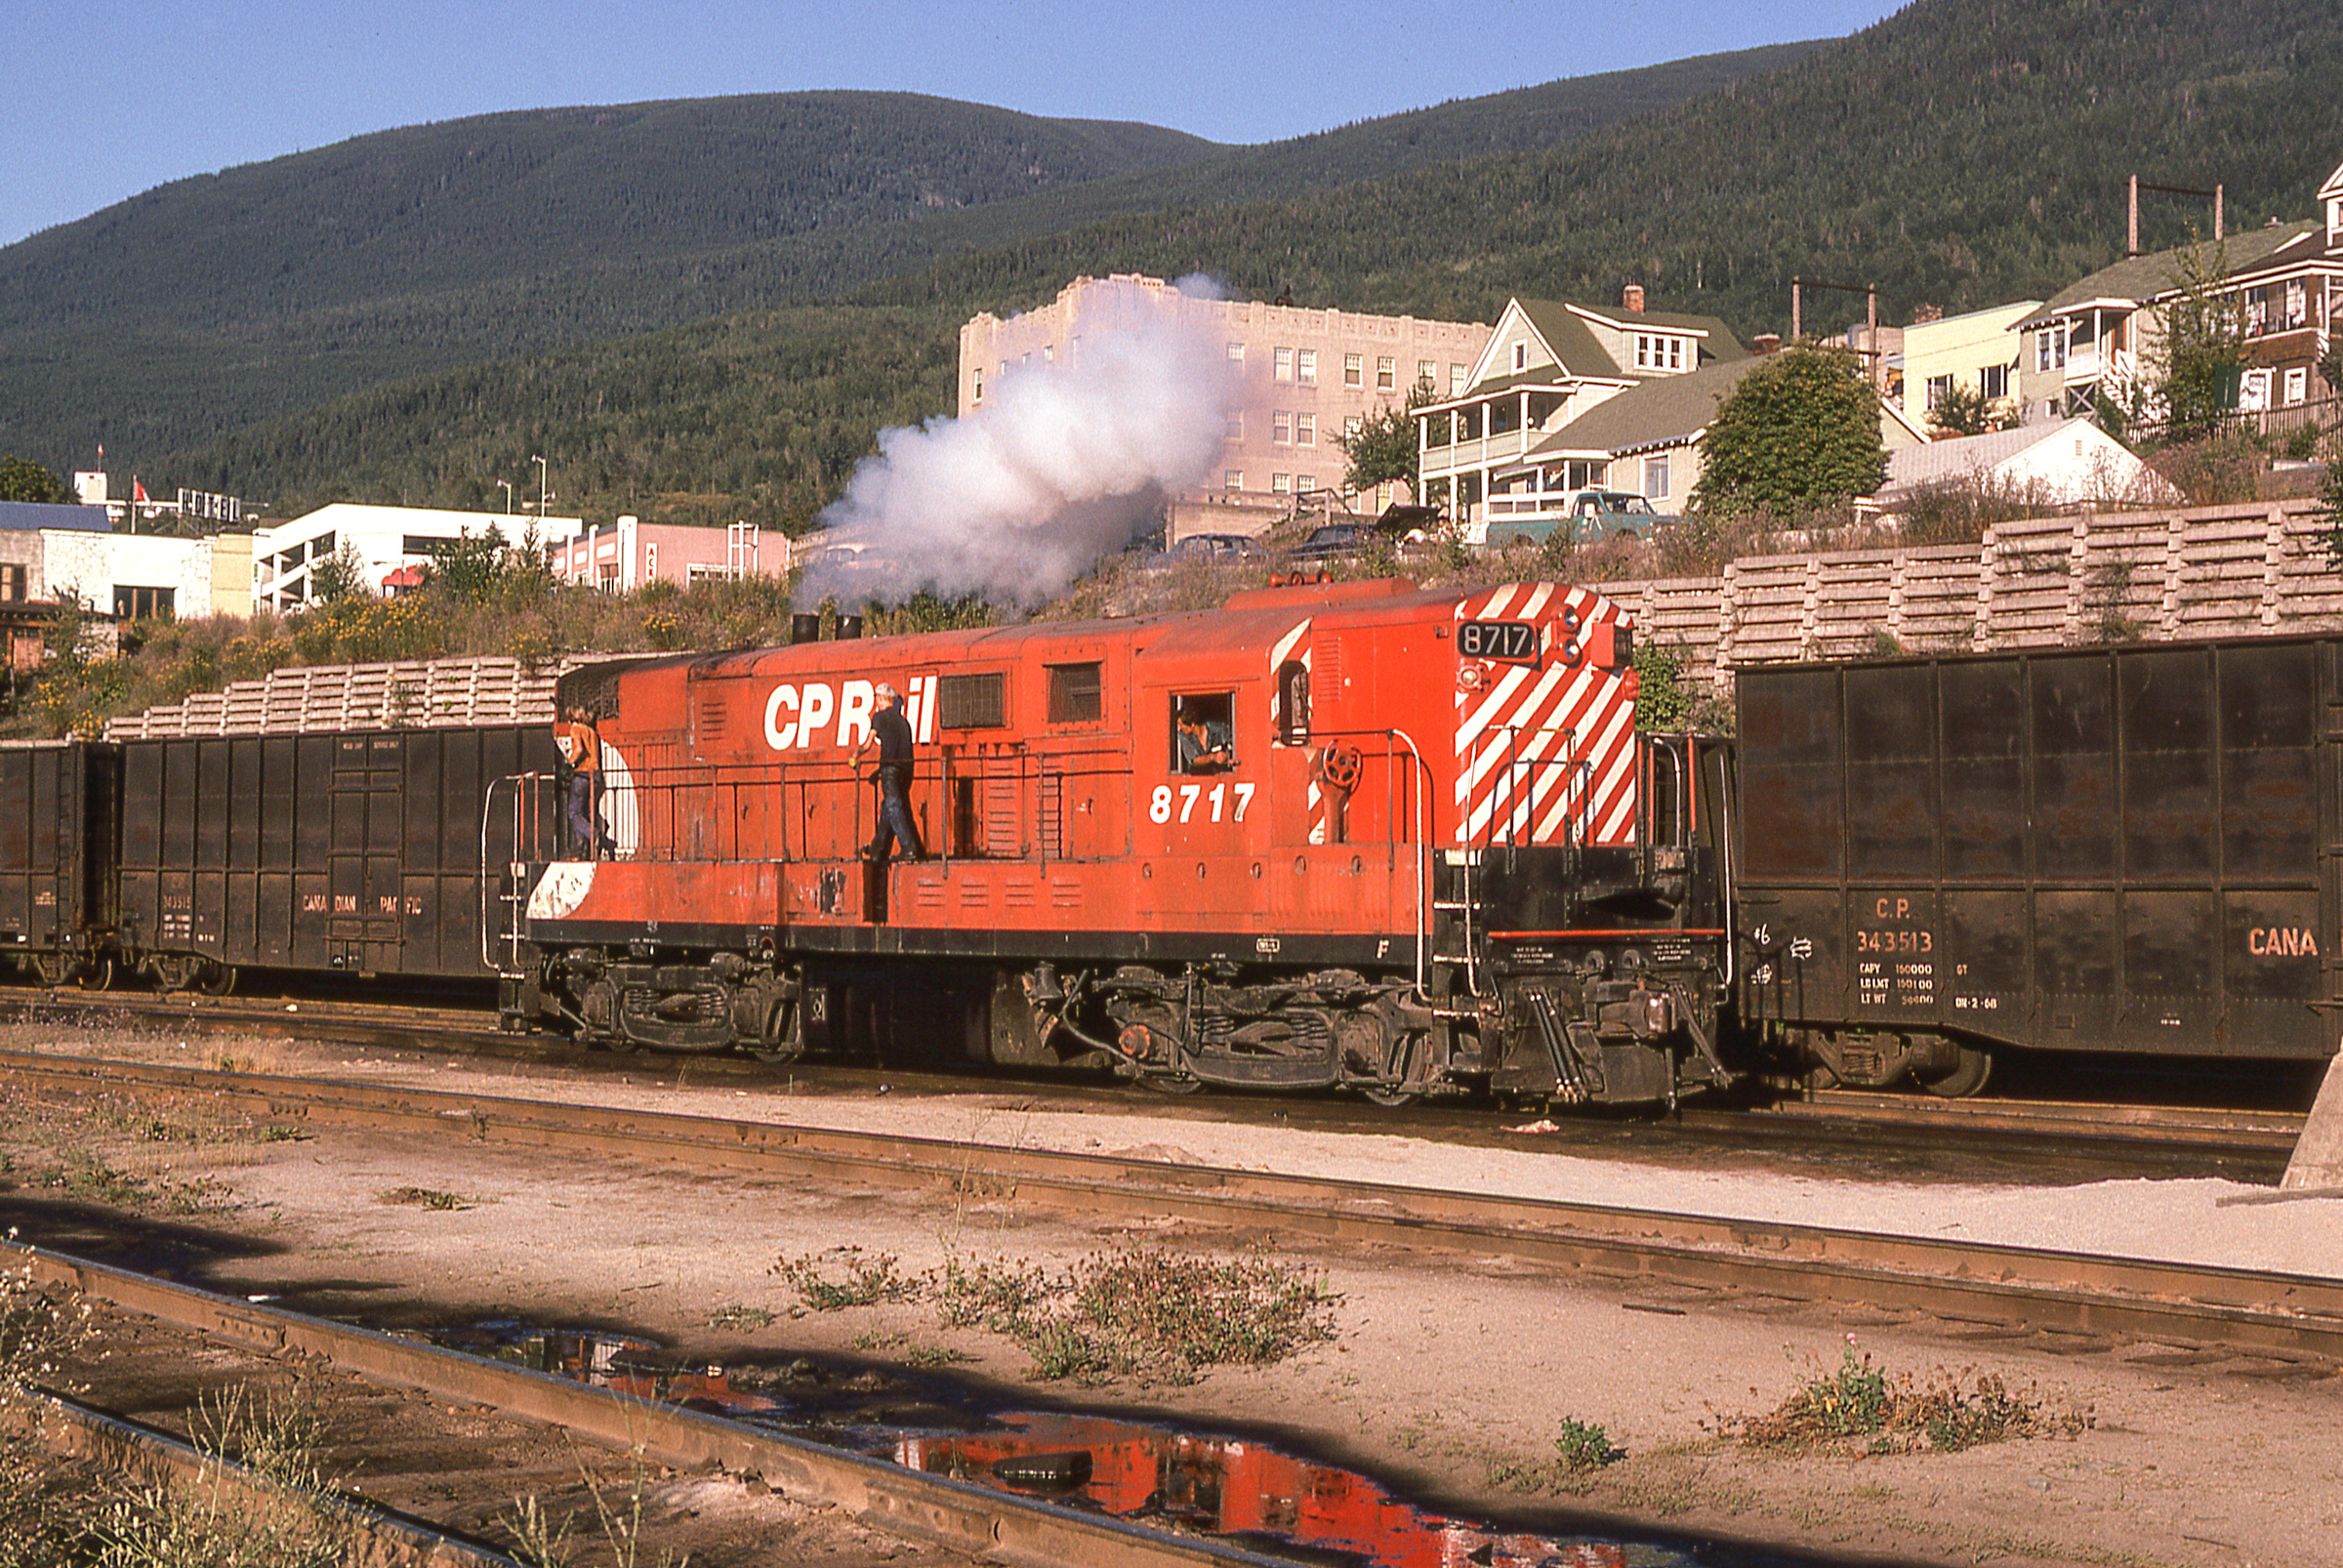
x=210, y=304
x=1961, y=153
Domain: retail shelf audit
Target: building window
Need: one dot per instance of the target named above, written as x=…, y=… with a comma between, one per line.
x=1455, y=379
x=1304, y=483
x=1386, y=372
x=1281, y=428
x=1305, y=429
x=2257, y=311
x=1993, y=381
x=1425, y=370
x=1234, y=479
x=1655, y=353
x=12, y=584
x=144, y=603
x=1305, y=367
x=1236, y=354
x=1280, y=483
x=1234, y=426
x=1284, y=370
x=1354, y=370
x=1656, y=477
x=979, y=395
x=2297, y=305
x=1352, y=424
x=1940, y=387
x=1521, y=357
x=2050, y=348
x=2298, y=384
x=2254, y=396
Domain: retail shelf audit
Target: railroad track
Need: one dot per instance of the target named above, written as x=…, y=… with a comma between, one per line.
x=1677, y=1256
x=2250, y=1144
x=914, y=1504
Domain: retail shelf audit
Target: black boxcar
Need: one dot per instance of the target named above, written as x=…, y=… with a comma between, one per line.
x=58, y=845
x=2113, y=849
x=355, y=851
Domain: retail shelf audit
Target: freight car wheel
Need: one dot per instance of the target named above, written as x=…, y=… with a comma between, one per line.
x=218, y=981
x=1967, y=1076
x=96, y=976
x=1390, y=1097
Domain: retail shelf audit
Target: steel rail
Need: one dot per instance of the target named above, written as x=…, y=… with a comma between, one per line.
x=2257, y=1311
x=2080, y=1129
x=998, y=1526
x=386, y=1538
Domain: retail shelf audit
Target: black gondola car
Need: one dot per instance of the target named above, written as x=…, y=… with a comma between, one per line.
x=2111, y=850
x=353, y=850
x=58, y=843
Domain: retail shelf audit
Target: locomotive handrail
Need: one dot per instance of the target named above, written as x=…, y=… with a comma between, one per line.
x=523, y=835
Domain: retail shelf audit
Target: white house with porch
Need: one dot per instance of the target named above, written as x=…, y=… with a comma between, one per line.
x=1547, y=364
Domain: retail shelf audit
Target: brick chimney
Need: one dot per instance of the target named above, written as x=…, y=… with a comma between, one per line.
x=1630, y=299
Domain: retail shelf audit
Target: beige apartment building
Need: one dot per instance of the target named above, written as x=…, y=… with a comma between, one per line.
x=1306, y=377
x=1975, y=352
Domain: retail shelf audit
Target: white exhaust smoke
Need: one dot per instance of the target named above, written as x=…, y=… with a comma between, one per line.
x=1064, y=464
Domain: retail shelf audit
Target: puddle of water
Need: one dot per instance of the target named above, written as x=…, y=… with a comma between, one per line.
x=1214, y=1485
x=618, y=1362
x=1232, y=1487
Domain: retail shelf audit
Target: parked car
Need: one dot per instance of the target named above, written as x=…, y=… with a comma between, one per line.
x=1590, y=513
x=1336, y=539
x=1225, y=548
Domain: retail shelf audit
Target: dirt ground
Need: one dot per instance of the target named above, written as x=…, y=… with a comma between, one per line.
x=1446, y=1384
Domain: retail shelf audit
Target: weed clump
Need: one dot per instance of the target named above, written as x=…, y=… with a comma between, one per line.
x=866, y=1281
x=1140, y=1314
x=1584, y=1446
x=1862, y=1408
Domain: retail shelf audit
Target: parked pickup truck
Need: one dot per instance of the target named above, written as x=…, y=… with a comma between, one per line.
x=1590, y=513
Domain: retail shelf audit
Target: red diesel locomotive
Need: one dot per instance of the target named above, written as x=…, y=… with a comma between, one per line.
x=1433, y=854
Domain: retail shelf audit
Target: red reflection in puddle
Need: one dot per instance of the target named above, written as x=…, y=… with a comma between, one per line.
x=614, y=1362
x=1227, y=1487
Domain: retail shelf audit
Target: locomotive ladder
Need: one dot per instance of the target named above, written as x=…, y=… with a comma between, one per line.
x=503, y=897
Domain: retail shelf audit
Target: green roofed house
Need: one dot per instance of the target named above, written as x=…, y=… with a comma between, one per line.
x=2103, y=332
x=1645, y=439
x=1546, y=365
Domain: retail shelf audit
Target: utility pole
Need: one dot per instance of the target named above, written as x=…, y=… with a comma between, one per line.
x=2131, y=238
x=1871, y=316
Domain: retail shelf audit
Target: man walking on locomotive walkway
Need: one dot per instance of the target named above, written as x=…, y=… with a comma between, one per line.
x=892, y=732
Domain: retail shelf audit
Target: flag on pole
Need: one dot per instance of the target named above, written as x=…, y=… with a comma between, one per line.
x=138, y=491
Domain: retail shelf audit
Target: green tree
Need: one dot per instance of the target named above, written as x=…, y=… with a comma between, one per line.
x=1963, y=410
x=22, y=479
x=476, y=565
x=2201, y=361
x=341, y=575
x=1384, y=446
x=1801, y=430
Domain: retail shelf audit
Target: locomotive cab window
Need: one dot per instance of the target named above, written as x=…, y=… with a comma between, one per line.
x=1203, y=733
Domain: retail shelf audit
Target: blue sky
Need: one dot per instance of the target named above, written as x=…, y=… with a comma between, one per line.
x=107, y=99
